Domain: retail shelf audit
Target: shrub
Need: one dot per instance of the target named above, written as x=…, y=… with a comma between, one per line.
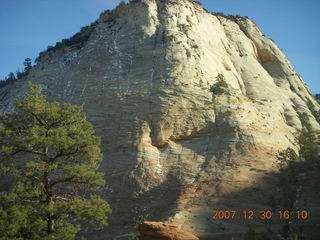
x=77, y=40
x=12, y=78
x=312, y=109
x=293, y=166
x=253, y=235
x=220, y=86
x=197, y=2
x=228, y=16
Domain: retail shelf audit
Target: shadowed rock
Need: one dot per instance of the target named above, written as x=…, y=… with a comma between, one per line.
x=163, y=231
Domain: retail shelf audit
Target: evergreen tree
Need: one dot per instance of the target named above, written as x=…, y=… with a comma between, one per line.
x=220, y=86
x=11, y=77
x=20, y=74
x=27, y=65
x=308, y=143
x=292, y=168
x=50, y=151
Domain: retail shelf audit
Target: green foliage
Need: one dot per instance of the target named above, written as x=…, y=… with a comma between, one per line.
x=18, y=221
x=12, y=78
x=314, y=112
x=51, y=151
x=27, y=65
x=20, y=74
x=307, y=140
x=292, y=166
x=77, y=40
x=140, y=219
x=253, y=235
x=110, y=16
x=228, y=16
x=220, y=86
x=307, y=157
x=289, y=163
x=197, y=2
x=137, y=221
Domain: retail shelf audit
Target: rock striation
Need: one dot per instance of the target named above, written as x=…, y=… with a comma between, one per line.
x=173, y=149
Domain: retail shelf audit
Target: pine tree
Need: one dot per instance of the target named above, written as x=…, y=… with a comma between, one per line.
x=220, y=86
x=11, y=77
x=293, y=166
x=308, y=143
x=51, y=152
x=27, y=65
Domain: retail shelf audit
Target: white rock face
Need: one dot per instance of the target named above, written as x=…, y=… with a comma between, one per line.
x=171, y=148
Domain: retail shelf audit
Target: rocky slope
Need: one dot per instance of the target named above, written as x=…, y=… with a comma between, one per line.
x=173, y=149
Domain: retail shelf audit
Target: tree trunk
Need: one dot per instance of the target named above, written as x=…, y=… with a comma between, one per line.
x=48, y=192
x=50, y=227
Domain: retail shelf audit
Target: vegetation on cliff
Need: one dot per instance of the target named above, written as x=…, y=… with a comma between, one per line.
x=313, y=110
x=228, y=16
x=317, y=97
x=12, y=78
x=294, y=166
x=50, y=151
x=77, y=40
x=220, y=86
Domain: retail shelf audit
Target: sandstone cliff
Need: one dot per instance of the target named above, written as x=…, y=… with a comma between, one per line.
x=172, y=148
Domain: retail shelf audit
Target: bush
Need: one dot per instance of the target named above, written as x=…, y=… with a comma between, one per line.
x=228, y=16
x=197, y=2
x=293, y=166
x=137, y=221
x=220, y=86
x=253, y=235
x=12, y=78
x=312, y=109
x=77, y=40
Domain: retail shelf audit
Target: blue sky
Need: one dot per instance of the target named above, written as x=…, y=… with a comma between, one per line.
x=27, y=27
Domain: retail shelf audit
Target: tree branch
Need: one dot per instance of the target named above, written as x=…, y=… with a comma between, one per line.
x=62, y=154
x=59, y=124
x=39, y=120
x=28, y=151
x=62, y=198
x=70, y=180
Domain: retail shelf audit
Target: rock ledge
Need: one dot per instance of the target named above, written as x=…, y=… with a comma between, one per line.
x=163, y=231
